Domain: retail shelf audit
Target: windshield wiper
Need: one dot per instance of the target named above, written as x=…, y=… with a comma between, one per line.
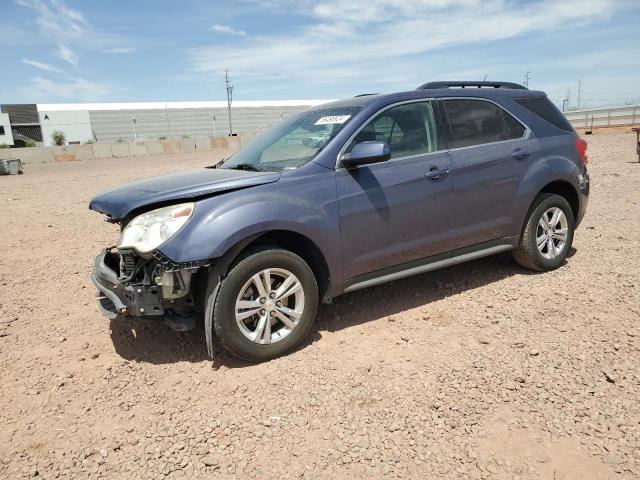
x=218, y=164
x=246, y=166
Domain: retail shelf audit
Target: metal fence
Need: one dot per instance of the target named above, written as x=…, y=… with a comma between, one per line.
x=604, y=117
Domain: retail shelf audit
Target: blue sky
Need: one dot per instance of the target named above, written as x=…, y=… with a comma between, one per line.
x=56, y=51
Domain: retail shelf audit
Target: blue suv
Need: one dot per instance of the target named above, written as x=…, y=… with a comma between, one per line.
x=341, y=197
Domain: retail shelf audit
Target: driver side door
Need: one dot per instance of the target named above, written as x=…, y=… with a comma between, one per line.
x=401, y=210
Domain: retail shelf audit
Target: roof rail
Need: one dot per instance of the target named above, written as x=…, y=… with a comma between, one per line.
x=365, y=95
x=470, y=84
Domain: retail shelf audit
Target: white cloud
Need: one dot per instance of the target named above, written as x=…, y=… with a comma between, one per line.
x=40, y=89
x=227, y=29
x=368, y=39
x=42, y=66
x=55, y=19
x=64, y=25
x=120, y=50
x=67, y=55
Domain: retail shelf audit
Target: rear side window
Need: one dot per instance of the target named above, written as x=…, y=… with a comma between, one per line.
x=409, y=129
x=546, y=110
x=475, y=122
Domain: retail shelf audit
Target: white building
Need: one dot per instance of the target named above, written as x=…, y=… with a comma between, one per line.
x=6, y=137
x=108, y=122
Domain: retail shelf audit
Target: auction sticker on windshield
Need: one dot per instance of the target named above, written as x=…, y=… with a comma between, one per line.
x=333, y=119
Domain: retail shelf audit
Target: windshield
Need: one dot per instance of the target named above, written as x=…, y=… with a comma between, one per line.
x=294, y=142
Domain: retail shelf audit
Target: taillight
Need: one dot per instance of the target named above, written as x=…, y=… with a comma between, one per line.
x=581, y=146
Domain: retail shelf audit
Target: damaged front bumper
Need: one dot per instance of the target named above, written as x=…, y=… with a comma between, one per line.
x=131, y=286
x=115, y=298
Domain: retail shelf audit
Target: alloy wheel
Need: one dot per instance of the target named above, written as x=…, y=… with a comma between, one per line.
x=269, y=305
x=552, y=232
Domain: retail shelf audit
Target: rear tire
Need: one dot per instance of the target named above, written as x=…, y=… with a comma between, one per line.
x=266, y=305
x=548, y=234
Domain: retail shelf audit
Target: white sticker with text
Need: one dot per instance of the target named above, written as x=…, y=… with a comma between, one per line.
x=333, y=119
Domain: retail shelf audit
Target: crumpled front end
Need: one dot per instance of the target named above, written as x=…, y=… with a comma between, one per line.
x=130, y=285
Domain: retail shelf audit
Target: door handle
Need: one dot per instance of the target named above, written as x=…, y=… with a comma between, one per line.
x=519, y=154
x=435, y=173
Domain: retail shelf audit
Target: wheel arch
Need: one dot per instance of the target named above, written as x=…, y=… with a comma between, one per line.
x=292, y=241
x=565, y=190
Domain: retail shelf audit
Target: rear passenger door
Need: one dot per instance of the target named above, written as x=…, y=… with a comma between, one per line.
x=490, y=150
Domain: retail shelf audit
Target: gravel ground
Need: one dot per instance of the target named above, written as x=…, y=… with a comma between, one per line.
x=483, y=370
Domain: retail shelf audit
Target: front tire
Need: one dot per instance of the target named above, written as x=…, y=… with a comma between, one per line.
x=266, y=305
x=548, y=234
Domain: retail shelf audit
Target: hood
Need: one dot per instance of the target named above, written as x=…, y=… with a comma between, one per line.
x=120, y=202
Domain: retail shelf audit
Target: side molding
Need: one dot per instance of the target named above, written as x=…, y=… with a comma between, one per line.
x=447, y=262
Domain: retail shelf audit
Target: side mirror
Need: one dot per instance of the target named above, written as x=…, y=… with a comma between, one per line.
x=365, y=153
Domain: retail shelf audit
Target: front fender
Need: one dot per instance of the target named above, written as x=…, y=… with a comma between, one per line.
x=305, y=206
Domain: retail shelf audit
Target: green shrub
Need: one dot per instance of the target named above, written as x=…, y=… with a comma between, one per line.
x=30, y=143
x=4, y=145
x=58, y=137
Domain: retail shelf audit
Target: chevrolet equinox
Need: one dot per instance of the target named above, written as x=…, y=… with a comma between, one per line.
x=340, y=197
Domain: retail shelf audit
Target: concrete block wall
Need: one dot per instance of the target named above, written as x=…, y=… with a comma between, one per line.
x=64, y=154
x=83, y=152
x=188, y=145
x=102, y=150
x=138, y=149
x=120, y=150
x=154, y=147
x=134, y=148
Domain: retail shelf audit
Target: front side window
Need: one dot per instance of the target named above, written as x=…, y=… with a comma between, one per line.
x=294, y=142
x=475, y=122
x=409, y=129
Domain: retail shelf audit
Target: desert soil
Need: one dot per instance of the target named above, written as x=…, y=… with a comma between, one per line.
x=483, y=370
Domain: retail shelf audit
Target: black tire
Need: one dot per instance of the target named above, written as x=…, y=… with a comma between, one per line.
x=224, y=321
x=527, y=253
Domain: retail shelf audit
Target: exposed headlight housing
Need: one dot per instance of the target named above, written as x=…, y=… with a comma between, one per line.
x=148, y=231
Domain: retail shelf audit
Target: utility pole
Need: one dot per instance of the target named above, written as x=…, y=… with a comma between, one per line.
x=229, y=98
x=135, y=132
x=527, y=77
x=166, y=115
x=579, y=92
x=568, y=100
x=214, y=125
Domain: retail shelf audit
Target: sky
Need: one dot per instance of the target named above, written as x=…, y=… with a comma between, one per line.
x=67, y=51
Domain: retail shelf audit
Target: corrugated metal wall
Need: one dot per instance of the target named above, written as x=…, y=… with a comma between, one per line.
x=113, y=125
x=21, y=113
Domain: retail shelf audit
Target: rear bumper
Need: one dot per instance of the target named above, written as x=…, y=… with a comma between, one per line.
x=116, y=299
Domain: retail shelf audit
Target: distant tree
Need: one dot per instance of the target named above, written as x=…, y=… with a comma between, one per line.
x=58, y=137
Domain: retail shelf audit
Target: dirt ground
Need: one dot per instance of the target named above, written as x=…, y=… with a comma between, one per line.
x=479, y=371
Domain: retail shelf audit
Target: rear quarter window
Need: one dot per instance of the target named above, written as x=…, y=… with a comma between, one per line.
x=546, y=110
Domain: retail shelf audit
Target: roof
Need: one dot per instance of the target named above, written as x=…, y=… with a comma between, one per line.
x=385, y=99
